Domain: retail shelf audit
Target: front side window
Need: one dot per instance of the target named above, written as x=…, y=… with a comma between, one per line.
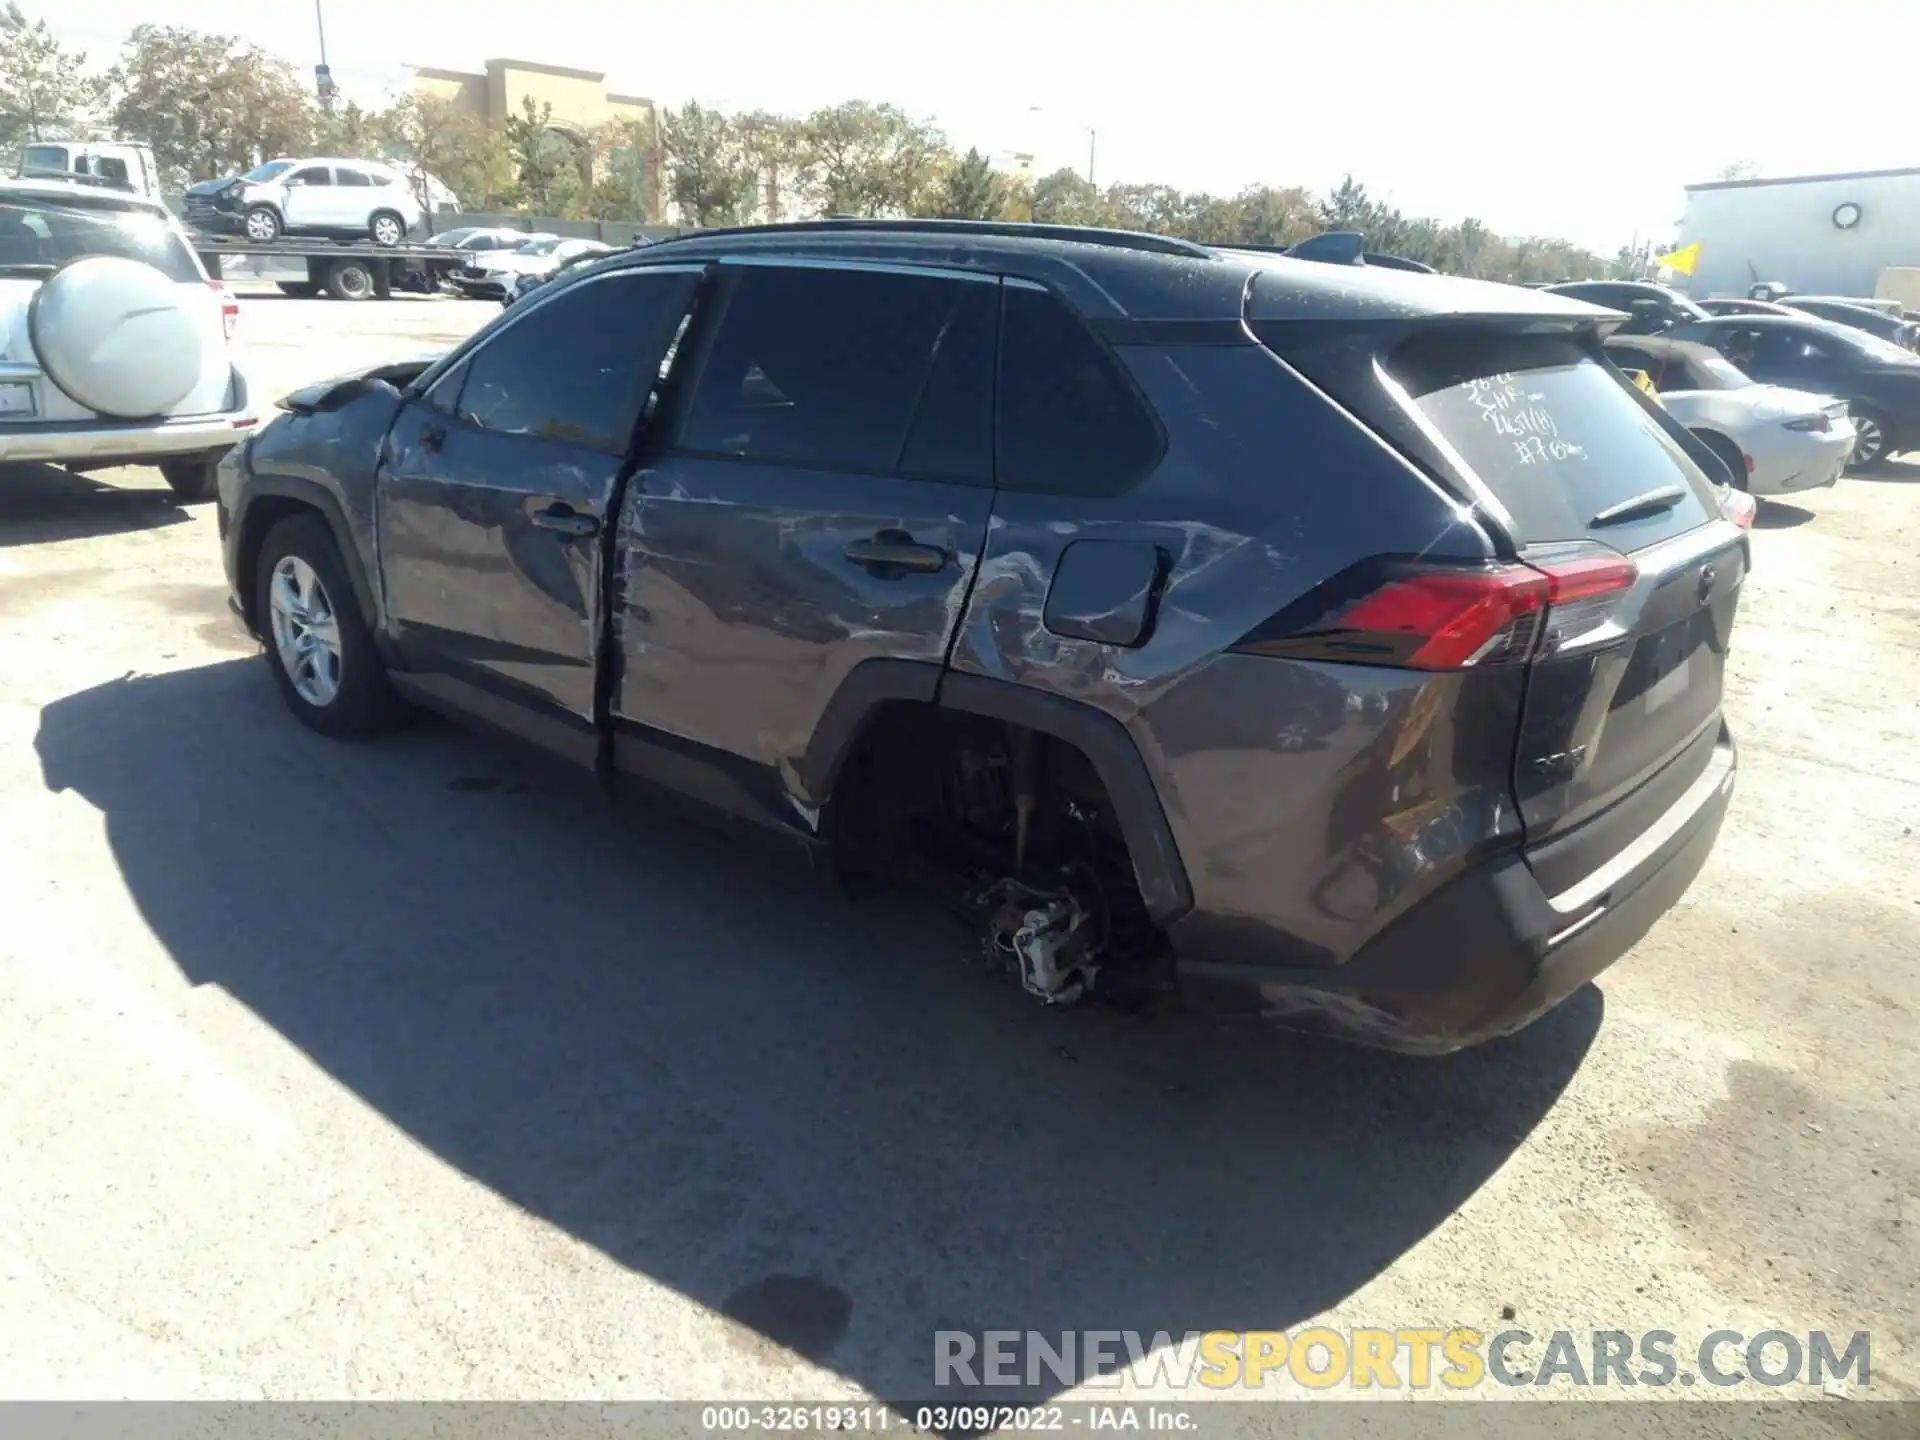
x=312, y=175
x=880, y=372
x=577, y=368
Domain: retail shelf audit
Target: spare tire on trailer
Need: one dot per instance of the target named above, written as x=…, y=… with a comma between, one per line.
x=350, y=279
x=117, y=336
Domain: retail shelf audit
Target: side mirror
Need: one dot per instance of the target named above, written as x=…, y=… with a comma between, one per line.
x=332, y=394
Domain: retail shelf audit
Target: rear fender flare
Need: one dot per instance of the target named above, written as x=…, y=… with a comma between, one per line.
x=1115, y=758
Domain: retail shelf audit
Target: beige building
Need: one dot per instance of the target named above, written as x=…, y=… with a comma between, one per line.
x=581, y=102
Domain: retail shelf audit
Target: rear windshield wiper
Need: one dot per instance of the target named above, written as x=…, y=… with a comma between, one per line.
x=1648, y=502
x=22, y=270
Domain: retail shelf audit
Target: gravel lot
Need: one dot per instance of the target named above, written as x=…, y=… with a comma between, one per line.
x=419, y=1070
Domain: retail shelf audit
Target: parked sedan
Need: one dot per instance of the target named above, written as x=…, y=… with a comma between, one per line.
x=1857, y=317
x=1773, y=439
x=1879, y=381
x=495, y=275
x=1652, y=308
x=1741, y=305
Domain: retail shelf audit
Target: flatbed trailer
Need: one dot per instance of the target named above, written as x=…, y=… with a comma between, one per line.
x=346, y=270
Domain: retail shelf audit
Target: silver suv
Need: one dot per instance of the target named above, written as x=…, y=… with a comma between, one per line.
x=316, y=196
x=115, y=347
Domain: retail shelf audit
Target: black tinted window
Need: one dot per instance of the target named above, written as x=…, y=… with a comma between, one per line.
x=1551, y=433
x=344, y=176
x=50, y=233
x=312, y=175
x=1070, y=421
x=578, y=367
x=829, y=368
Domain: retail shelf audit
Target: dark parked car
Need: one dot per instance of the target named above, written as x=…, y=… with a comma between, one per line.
x=1333, y=643
x=1650, y=308
x=1900, y=332
x=1880, y=381
x=1739, y=305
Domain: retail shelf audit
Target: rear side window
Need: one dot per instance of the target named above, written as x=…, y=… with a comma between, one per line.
x=1552, y=434
x=577, y=368
x=868, y=371
x=1070, y=420
x=343, y=176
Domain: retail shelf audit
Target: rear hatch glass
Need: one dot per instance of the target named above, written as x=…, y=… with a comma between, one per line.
x=1624, y=716
x=1551, y=434
x=37, y=236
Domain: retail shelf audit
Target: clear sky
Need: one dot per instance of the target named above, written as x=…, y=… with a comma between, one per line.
x=1580, y=118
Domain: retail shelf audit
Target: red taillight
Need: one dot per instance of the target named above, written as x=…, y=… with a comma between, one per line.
x=1446, y=619
x=1739, y=507
x=1433, y=617
x=229, y=308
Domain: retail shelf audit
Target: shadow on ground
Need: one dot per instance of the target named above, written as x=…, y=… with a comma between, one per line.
x=1778, y=515
x=39, y=503
x=820, y=1118
x=1904, y=470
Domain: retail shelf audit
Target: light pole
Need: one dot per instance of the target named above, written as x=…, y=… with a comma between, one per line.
x=323, y=73
x=1093, y=137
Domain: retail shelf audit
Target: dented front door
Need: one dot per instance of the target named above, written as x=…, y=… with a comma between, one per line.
x=498, y=484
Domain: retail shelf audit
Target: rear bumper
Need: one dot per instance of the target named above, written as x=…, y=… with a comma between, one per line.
x=1488, y=952
x=1812, y=466
x=110, y=442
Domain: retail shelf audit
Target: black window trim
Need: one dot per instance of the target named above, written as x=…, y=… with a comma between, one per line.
x=671, y=448
x=456, y=364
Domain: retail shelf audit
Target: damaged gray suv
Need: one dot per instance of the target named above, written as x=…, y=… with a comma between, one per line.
x=1322, y=641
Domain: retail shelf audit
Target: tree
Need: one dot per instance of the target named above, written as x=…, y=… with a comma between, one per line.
x=1066, y=197
x=776, y=148
x=971, y=191
x=1470, y=241
x=873, y=159
x=434, y=138
x=710, y=178
x=1276, y=217
x=208, y=104
x=1348, y=207
x=349, y=130
x=552, y=163
x=45, y=90
x=624, y=169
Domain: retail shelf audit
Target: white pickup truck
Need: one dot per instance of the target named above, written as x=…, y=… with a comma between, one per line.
x=115, y=347
x=125, y=164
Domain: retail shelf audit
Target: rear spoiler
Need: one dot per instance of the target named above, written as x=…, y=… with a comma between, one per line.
x=1343, y=247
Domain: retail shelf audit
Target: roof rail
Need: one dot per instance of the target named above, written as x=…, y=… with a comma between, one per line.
x=1078, y=234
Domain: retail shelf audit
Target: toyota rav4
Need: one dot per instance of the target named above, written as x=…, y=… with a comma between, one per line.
x=1325, y=641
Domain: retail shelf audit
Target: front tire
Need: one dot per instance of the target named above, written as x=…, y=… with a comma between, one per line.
x=322, y=655
x=192, y=477
x=1873, y=439
x=262, y=225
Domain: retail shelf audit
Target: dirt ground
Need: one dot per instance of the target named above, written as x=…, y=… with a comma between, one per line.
x=418, y=1069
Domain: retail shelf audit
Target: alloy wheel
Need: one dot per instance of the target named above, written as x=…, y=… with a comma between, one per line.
x=1868, y=439
x=260, y=227
x=305, y=634
x=386, y=230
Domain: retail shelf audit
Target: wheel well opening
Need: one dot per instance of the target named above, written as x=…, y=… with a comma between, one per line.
x=262, y=515
x=1003, y=821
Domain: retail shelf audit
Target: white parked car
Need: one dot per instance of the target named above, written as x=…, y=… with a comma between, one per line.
x=115, y=347
x=363, y=199
x=1774, y=440
x=494, y=275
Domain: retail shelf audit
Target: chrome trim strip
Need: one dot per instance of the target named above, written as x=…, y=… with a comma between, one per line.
x=1718, y=776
